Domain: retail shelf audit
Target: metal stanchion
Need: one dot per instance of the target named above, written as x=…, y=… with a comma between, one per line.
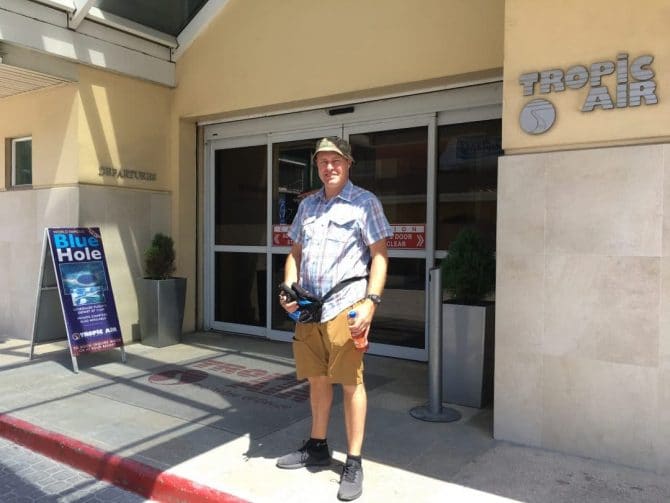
x=433, y=411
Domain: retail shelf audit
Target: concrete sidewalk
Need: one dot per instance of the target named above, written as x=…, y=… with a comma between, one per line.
x=205, y=420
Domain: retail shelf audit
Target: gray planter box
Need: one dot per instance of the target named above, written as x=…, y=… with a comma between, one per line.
x=467, y=354
x=161, y=310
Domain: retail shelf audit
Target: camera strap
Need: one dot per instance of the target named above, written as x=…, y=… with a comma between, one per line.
x=310, y=304
x=340, y=286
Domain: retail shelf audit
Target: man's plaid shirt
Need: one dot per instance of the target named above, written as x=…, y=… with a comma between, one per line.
x=335, y=237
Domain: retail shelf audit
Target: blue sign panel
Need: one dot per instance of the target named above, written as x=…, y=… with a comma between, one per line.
x=85, y=289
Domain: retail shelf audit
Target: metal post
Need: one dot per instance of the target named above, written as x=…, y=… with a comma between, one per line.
x=434, y=411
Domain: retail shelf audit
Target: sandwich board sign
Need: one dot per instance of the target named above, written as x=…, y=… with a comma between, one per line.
x=74, y=295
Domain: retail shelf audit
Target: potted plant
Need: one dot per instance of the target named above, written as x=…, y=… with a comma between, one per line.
x=468, y=277
x=161, y=296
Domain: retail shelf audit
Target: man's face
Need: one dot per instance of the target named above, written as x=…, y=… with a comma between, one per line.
x=333, y=170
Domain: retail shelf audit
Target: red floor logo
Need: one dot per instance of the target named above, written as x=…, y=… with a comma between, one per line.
x=178, y=376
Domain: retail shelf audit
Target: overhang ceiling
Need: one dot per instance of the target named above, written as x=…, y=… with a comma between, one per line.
x=142, y=38
x=15, y=80
x=25, y=70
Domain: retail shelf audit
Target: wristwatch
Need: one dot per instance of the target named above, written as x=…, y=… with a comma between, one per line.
x=376, y=299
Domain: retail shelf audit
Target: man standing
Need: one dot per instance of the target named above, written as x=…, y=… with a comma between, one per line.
x=338, y=233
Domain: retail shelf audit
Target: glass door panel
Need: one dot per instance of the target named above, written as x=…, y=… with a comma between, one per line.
x=392, y=164
x=240, y=179
x=280, y=321
x=400, y=319
x=294, y=178
x=237, y=232
x=467, y=179
x=239, y=293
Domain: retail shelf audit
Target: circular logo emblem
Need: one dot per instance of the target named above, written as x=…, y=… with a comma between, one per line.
x=537, y=116
x=178, y=376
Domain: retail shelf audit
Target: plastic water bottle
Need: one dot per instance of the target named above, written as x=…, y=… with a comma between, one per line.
x=359, y=341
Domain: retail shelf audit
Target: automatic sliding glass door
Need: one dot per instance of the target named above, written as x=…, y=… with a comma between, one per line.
x=255, y=185
x=434, y=171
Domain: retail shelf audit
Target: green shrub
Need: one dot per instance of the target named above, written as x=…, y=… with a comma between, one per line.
x=469, y=271
x=159, y=257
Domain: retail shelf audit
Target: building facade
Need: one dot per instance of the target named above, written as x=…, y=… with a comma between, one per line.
x=543, y=125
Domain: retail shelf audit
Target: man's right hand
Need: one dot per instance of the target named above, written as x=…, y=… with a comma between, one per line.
x=289, y=306
x=286, y=301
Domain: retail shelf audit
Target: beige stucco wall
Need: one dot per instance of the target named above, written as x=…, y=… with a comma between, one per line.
x=129, y=124
x=259, y=54
x=103, y=120
x=558, y=35
x=50, y=116
x=184, y=222
x=124, y=123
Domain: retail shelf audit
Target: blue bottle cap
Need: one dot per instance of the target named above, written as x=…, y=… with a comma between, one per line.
x=352, y=314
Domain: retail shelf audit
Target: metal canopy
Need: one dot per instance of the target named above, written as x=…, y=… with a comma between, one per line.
x=139, y=38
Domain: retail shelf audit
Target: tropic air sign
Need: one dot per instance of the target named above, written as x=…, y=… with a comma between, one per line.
x=634, y=85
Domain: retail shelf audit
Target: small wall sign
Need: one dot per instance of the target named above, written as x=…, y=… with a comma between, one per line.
x=146, y=176
x=634, y=86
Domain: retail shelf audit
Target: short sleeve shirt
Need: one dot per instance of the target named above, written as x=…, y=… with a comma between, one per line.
x=335, y=236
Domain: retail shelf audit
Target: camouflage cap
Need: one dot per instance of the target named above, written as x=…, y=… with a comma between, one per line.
x=334, y=144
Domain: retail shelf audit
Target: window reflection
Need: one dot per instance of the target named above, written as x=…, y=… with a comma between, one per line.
x=400, y=318
x=392, y=165
x=467, y=179
x=294, y=178
x=22, y=161
x=280, y=320
x=239, y=295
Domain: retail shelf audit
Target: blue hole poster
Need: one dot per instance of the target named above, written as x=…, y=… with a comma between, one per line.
x=85, y=289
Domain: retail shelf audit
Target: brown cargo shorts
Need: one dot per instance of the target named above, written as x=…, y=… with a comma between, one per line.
x=327, y=349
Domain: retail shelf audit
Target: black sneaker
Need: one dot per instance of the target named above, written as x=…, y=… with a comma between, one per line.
x=307, y=455
x=351, y=481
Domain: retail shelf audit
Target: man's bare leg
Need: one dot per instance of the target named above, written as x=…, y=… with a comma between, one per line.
x=321, y=400
x=355, y=408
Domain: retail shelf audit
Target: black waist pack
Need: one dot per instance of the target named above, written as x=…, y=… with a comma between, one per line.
x=310, y=306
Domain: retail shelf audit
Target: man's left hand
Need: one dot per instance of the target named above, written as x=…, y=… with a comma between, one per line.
x=364, y=314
